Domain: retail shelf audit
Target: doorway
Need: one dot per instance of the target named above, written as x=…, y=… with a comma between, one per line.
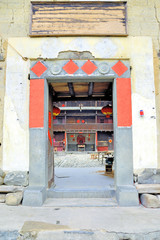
x=44, y=73
x=82, y=138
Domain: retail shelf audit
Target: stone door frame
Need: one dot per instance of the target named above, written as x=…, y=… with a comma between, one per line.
x=53, y=71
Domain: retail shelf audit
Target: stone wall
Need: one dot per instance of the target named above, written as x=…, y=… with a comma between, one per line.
x=143, y=20
x=2, y=88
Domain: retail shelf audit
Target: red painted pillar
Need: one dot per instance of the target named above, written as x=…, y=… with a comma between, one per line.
x=124, y=105
x=36, y=110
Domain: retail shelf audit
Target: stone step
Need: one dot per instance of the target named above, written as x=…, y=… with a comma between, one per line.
x=148, y=188
x=80, y=193
x=80, y=202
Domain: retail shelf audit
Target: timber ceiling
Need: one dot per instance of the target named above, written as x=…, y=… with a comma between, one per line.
x=85, y=91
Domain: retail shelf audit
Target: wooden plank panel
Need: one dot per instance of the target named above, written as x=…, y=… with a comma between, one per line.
x=81, y=88
x=78, y=18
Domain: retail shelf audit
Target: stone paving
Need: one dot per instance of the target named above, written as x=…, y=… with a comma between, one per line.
x=77, y=160
x=59, y=222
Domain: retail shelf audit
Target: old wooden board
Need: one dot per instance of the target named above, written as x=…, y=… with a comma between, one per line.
x=148, y=188
x=78, y=18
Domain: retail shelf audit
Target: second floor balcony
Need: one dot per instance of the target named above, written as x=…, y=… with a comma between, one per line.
x=84, y=126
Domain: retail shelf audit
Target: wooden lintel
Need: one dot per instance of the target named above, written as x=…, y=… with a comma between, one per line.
x=63, y=99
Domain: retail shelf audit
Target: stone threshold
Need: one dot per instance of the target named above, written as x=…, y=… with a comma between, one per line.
x=80, y=202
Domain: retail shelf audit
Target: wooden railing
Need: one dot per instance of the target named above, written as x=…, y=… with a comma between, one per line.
x=88, y=126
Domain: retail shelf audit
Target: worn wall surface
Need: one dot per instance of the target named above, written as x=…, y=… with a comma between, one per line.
x=143, y=91
x=143, y=20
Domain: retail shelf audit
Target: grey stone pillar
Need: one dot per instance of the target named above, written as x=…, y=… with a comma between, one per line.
x=126, y=193
x=35, y=194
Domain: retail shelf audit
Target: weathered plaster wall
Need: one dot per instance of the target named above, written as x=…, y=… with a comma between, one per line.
x=143, y=20
x=2, y=89
x=16, y=107
x=143, y=92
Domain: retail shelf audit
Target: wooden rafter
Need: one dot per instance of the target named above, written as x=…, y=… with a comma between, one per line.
x=71, y=89
x=90, y=89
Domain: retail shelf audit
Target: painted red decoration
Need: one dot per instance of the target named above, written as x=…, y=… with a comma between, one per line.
x=70, y=67
x=80, y=139
x=49, y=120
x=56, y=112
x=119, y=68
x=49, y=137
x=124, y=105
x=36, y=107
x=39, y=68
x=89, y=67
x=141, y=113
x=107, y=110
x=102, y=149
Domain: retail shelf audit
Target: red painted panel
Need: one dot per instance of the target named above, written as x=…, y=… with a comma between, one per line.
x=124, y=105
x=70, y=67
x=49, y=120
x=36, y=109
x=39, y=68
x=89, y=67
x=49, y=137
x=102, y=149
x=119, y=68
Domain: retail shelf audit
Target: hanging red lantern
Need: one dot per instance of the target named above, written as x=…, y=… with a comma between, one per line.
x=107, y=110
x=56, y=112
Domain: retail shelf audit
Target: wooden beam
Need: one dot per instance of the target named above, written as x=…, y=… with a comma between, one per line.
x=90, y=89
x=63, y=99
x=71, y=89
x=88, y=126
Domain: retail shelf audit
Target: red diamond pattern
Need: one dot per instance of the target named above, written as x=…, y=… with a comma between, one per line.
x=119, y=68
x=70, y=67
x=39, y=68
x=89, y=67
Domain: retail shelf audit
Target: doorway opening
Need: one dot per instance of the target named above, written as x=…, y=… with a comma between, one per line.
x=81, y=80
x=83, y=138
